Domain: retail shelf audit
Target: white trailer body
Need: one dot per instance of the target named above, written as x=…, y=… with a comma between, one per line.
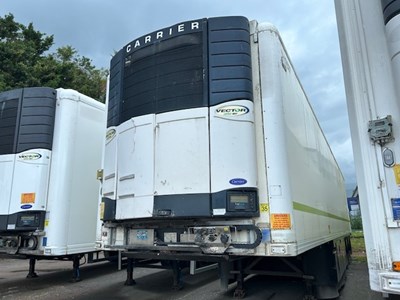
x=369, y=37
x=213, y=149
x=50, y=149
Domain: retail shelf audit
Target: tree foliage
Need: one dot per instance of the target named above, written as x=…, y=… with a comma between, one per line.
x=26, y=62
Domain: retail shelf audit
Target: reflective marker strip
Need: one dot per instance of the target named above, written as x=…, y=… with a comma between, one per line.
x=312, y=210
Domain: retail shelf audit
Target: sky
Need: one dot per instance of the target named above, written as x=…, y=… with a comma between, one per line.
x=98, y=28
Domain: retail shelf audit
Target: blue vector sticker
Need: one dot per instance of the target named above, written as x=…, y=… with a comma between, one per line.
x=26, y=206
x=238, y=181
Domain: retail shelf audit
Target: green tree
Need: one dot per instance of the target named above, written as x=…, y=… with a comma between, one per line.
x=26, y=62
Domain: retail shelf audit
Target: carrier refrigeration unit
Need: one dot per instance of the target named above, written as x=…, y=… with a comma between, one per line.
x=50, y=148
x=213, y=153
x=369, y=33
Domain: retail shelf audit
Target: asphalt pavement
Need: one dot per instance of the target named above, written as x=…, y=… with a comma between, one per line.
x=104, y=281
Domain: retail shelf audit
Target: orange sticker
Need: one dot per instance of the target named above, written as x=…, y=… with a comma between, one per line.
x=28, y=198
x=280, y=221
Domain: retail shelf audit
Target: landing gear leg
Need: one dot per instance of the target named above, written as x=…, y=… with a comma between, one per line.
x=239, y=291
x=32, y=273
x=129, y=272
x=224, y=269
x=176, y=268
x=309, y=295
x=76, y=270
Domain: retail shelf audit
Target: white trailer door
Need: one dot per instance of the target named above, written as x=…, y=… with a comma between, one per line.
x=182, y=153
x=30, y=181
x=182, y=167
x=135, y=176
x=110, y=164
x=6, y=176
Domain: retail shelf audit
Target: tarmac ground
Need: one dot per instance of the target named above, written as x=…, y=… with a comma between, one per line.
x=104, y=281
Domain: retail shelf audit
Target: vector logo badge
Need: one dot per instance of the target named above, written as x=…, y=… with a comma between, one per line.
x=231, y=110
x=29, y=156
x=110, y=135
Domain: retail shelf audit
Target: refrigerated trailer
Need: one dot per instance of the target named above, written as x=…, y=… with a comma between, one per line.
x=369, y=39
x=213, y=153
x=50, y=149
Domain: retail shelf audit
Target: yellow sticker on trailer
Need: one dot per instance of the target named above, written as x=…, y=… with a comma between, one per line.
x=396, y=170
x=28, y=198
x=280, y=221
x=264, y=207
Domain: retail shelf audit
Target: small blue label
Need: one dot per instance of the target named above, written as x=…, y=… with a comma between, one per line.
x=141, y=235
x=26, y=206
x=44, y=243
x=266, y=235
x=238, y=181
x=396, y=208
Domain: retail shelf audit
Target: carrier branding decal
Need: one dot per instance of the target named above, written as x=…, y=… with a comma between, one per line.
x=238, y=181
x=165, y=33
x=110, y=135
x=231, y=110
x=29, y=156
x=26, y=206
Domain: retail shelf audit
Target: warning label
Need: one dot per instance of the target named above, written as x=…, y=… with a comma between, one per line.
x=280, y=221
x=28, y=198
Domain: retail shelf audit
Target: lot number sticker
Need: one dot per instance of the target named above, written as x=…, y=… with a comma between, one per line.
x=264, y=207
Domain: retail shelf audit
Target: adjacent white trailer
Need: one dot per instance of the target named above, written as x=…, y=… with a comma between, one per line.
x=213, y=153
x=50, y=149
x=369, y=38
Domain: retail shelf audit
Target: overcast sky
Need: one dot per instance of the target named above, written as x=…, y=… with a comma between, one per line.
x=97, y=28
